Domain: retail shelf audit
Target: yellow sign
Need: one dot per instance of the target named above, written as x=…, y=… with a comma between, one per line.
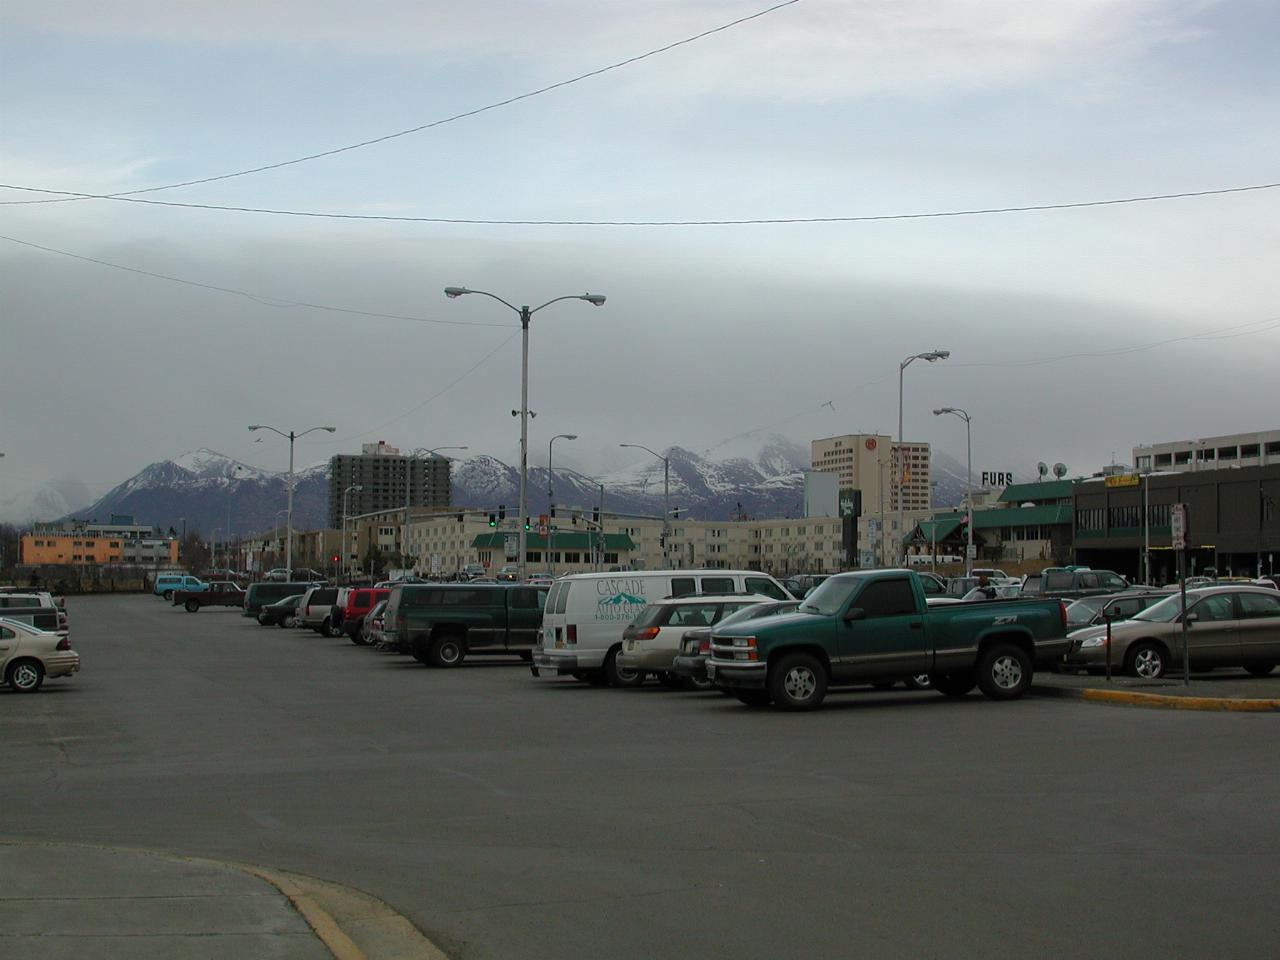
x=1124, y=480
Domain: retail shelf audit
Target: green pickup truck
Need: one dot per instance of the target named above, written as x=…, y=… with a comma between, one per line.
x=859, y=628
x=441, y=623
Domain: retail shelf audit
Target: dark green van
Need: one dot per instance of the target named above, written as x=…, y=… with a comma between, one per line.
x=260, y=594
x=441, y=624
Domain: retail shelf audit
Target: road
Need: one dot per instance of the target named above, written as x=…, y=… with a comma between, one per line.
x=514, y=818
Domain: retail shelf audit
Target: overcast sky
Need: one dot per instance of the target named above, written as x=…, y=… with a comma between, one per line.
x=825, y=108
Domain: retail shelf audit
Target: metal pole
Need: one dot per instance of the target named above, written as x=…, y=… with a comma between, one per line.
x=404, y=540
x=288, y=559
x=666, y=511
x=524, y=433
x=898, y=461
x=968, y=444
x=551, y=532
x=1186, y=641
x=1146, y=529
x=600, y=533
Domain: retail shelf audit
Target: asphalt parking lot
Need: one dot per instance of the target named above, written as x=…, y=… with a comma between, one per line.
x=515, y=818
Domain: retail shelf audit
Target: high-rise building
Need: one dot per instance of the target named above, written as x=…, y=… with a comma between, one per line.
x=865, y=462
x=384, y=476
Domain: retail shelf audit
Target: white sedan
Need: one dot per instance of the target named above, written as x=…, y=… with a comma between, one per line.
x=28, y=655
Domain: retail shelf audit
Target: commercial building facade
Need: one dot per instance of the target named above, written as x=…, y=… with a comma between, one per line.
x=1208, y=453
x=384, y=477
x=76, y=542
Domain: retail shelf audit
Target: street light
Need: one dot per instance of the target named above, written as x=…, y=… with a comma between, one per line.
x=526, y=314
x=408, y=483
x=290, y=436
x=346, y=546
x=968, y=446
x=600, y=542
x=666, y=499
x=932, y=356
x=551, y=503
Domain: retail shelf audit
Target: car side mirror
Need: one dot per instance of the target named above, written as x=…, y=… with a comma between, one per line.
x=1192, y=618
x=855, y=613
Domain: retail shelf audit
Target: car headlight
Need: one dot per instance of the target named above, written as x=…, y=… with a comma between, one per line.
x=1093, y=642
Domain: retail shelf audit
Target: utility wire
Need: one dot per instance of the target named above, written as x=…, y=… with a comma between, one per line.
x=434, y=123
x=256, y=298
x=971, y=212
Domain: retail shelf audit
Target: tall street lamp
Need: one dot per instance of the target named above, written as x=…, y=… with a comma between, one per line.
x=968, y=446
x=551, y=503
x=408, y=485
x=900, y=464
x=346, y=544
x=526, y=314
x=666, y=500
x=290, y=436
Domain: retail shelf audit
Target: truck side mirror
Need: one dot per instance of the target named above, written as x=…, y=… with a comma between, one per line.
x=854, y=613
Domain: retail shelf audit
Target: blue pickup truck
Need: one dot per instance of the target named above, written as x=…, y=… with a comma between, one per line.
x=859, y=628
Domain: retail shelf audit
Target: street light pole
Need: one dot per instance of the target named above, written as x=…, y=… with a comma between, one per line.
x=932, y=356
x=291, y=436
x=551, y=503
x=666, y=501
x=525, y=314
x=408, y=486
x=968, y=446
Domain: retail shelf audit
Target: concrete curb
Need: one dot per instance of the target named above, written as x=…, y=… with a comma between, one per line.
x=352, y=925
x=1164, y=701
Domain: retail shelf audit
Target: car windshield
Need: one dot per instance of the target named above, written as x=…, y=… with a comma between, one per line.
x=1083, y=611
x=1166, y=611
x=827, y=598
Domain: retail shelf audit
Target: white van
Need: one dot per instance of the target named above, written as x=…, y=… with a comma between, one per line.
x=586, y=613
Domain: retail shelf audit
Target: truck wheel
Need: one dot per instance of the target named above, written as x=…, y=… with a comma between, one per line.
x=920, y=681
x=756, y=699
x=447, y=651
x=620, y=676
x=25, y=676
x=1004, y=671
x=168, y=594
x=953, y=684
x=797, y=682
x=192, y=605
x=1145, y=660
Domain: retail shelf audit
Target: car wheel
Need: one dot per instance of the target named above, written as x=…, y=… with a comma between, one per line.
x=1259, y=669
x=1145, y=660
x=953, y=684
x=329, y=629
x=447, y=651
x=288, y=620
x=797, y=682
x=920, y=681
x=25, y=676
x=168, y=594
x=620, y=676
x=1004, y=671
x=756, y=699
x=192, y=605
x=263, y=621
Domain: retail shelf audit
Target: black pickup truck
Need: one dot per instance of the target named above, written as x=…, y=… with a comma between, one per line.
x=221, y=593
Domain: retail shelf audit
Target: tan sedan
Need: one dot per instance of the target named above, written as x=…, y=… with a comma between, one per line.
x=1227, y=626
x=28, y=655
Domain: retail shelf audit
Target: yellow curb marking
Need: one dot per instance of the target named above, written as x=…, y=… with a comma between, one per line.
x=1180, y=703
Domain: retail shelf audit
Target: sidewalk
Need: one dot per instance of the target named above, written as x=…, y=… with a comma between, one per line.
x=1226, y=689
x=63, y=901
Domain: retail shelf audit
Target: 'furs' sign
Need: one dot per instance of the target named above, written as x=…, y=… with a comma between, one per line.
x=996, y=478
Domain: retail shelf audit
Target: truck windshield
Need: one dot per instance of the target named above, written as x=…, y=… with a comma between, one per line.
x=828, y=597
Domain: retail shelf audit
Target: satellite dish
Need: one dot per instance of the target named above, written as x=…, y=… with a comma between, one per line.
x=1042, y=468
x=1059, y=470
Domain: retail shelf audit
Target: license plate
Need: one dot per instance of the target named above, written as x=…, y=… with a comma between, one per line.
x=711, y=671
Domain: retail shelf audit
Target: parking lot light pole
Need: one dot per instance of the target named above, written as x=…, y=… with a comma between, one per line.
x=666, y=500
x=551, y=503
x=346, y=546
x=968, y=446
x=899, y=466
x=408, y=486
x=525, y=314
x=291, y=436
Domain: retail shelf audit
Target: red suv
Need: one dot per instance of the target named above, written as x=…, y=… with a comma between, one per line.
x=360, y=600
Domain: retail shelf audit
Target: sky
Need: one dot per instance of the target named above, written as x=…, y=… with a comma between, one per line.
x=1159, y=320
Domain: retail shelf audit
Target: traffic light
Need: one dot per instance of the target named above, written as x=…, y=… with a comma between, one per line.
x=553, y=510
x=493, y=521
x=502, y=511
x=334, y=558
x=526, y=523
x=595, y=514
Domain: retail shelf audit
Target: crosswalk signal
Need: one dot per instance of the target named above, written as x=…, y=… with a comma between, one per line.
x=493, y=521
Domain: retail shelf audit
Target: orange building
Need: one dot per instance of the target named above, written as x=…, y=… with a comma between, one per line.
x=82, y=547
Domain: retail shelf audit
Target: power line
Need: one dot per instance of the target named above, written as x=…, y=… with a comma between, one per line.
x=257, y=298
x=425, y=126
x=863, y=218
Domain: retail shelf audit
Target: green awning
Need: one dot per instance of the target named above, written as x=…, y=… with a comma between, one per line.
x=1034, y=492
x=944, y=525
x=565, y=540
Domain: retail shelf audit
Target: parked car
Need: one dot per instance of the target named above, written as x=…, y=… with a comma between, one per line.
x=305, y=574
x=260, y=594
x=316, y=611
x=473, y=570
x=28, y=655
x=587, y=612
x=219, y=593
x=36, y=608
x=441, y=624
x=651, y=642
x=355, y=607
x=282, y=613
x=374, y=628
x=1092, y=611
x=695, y=644
x=167, y=583
x=509, y=574
x=1071, y=584
x=874, y=627
x=1227, y=626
